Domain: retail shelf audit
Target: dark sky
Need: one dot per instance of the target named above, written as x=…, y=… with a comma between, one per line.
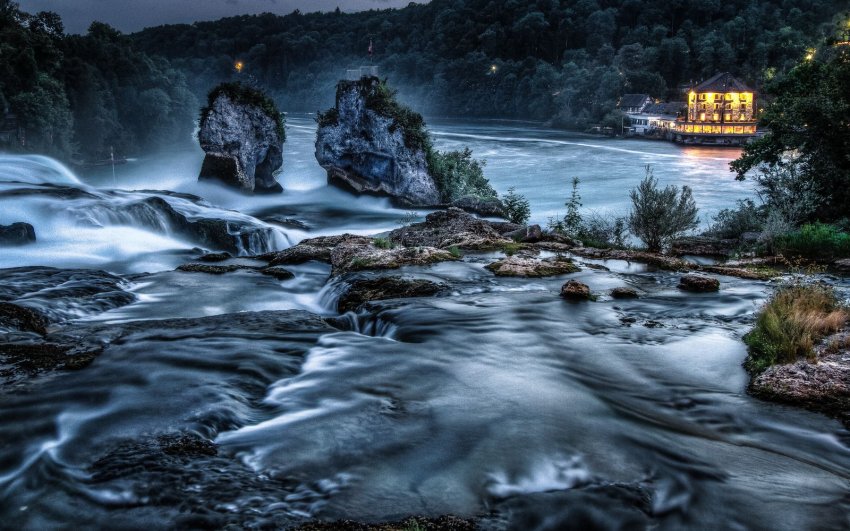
x=132, y=15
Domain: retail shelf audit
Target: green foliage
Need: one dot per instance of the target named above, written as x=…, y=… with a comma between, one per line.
x=572, y=219
x=458, y=175
x=517, y=207
x=660, y=215
x=511, y=249
x=815, y=241
x=382, y=243
x=382, y=99
x=87, y=93
x=795, y=318
x=603, y=231
x=244, y=94
x=808, y=137
x=328, y=118
x=731, y=223
x=455, y=251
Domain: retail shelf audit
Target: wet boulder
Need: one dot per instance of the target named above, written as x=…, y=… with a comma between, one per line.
x=529, y=234
x=523, y=266
x=624, y=293
x=382, y=288
x=17, y=318
x=575, y=290
x=350, y=257
x=365, y=148
x=313, y=249
x=699, y=284
x=17, y=234
x=242, y=134
x=213, y=269
x=450, y=228
x=489, y=207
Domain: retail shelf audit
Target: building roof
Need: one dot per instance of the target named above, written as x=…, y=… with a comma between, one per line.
x=723, y=82
x=671, y=108
x=633, y=100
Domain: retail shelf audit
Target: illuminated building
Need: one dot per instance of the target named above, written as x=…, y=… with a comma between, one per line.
x=721, y=111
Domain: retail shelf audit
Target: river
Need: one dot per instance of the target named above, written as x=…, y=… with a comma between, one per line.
x=496, y=400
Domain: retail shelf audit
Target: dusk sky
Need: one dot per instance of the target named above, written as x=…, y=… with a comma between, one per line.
x=133, y=15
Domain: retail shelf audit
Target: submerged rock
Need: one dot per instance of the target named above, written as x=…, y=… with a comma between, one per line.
x=366, y=150
x=242, y=134
x=382, y=288
x=522, y=266
x=698, y=284
x=212, y=269
x=442, y=523
x=233, y=237
x=450, y=228
x=16, y=318
x=575, y=290
x=278, y=273
x=17, y=234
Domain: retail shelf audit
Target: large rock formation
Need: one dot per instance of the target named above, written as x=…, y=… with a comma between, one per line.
x=367, y=150
x=242, y=135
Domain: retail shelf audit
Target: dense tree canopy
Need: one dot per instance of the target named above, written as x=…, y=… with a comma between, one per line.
x=86, y=93
x=567, y=60
x=808, y=135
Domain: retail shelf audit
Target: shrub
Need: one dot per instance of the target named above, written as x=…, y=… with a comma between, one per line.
x=658, y=216
x=458, y=175
x=732, y=223
x=814, y=241
x=382, y=243
x=795, y=318
x=602, y=230
x=240, y=93
x=517, y=207
x=454, y=251
x=572, y=219
x=328, y=118
x=511, y=249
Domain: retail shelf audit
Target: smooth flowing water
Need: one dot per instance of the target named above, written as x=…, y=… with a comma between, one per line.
x=496, y=400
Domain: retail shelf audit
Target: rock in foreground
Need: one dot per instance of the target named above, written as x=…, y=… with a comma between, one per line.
x=575, y=290
x=383, y=288
x=699, y=284
x=242, y=135
x=17, y=234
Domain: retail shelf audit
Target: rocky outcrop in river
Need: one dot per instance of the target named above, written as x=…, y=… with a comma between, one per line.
x=450, y=228
x=17, y=234
x=367, y=151
x=242, y=135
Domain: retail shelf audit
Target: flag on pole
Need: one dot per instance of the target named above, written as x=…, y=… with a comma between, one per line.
x=370, y=48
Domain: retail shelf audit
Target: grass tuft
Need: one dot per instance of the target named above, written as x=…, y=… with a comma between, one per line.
x=789, y=325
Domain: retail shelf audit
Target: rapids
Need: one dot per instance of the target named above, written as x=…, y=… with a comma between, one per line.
x=497, y=400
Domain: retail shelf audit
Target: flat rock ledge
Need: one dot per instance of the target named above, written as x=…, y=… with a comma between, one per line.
x=823, y=386
x=450, y=228
x=522, y=266
x=347, y=253
x=383, y=288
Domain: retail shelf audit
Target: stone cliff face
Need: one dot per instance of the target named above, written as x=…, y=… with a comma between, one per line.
x=243, y=145
x=365, y=151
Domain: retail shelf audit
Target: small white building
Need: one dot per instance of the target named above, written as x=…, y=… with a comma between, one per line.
x=656, y=119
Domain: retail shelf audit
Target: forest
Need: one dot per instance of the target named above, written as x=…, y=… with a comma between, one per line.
x=79, y=96
x=565, y=62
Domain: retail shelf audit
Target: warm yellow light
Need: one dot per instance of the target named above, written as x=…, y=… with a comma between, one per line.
x=810, y=54
x=239, y=65
x=493, y=68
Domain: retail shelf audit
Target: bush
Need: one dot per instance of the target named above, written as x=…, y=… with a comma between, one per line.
x=382, y=243
x=517, y=207
x=458, y=175
x=240, y=93
x=816, y=241
x=658, y=216
x=795, y=318
x=572, y=219
x=603, y=231
x=732, y=223
x=328, y=118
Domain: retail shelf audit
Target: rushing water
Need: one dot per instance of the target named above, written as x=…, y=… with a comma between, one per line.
x=497, y=400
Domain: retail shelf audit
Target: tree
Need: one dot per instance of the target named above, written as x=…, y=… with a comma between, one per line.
x=517, y=207
x=808, y=133
x=572, y=219
x=659, y=216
